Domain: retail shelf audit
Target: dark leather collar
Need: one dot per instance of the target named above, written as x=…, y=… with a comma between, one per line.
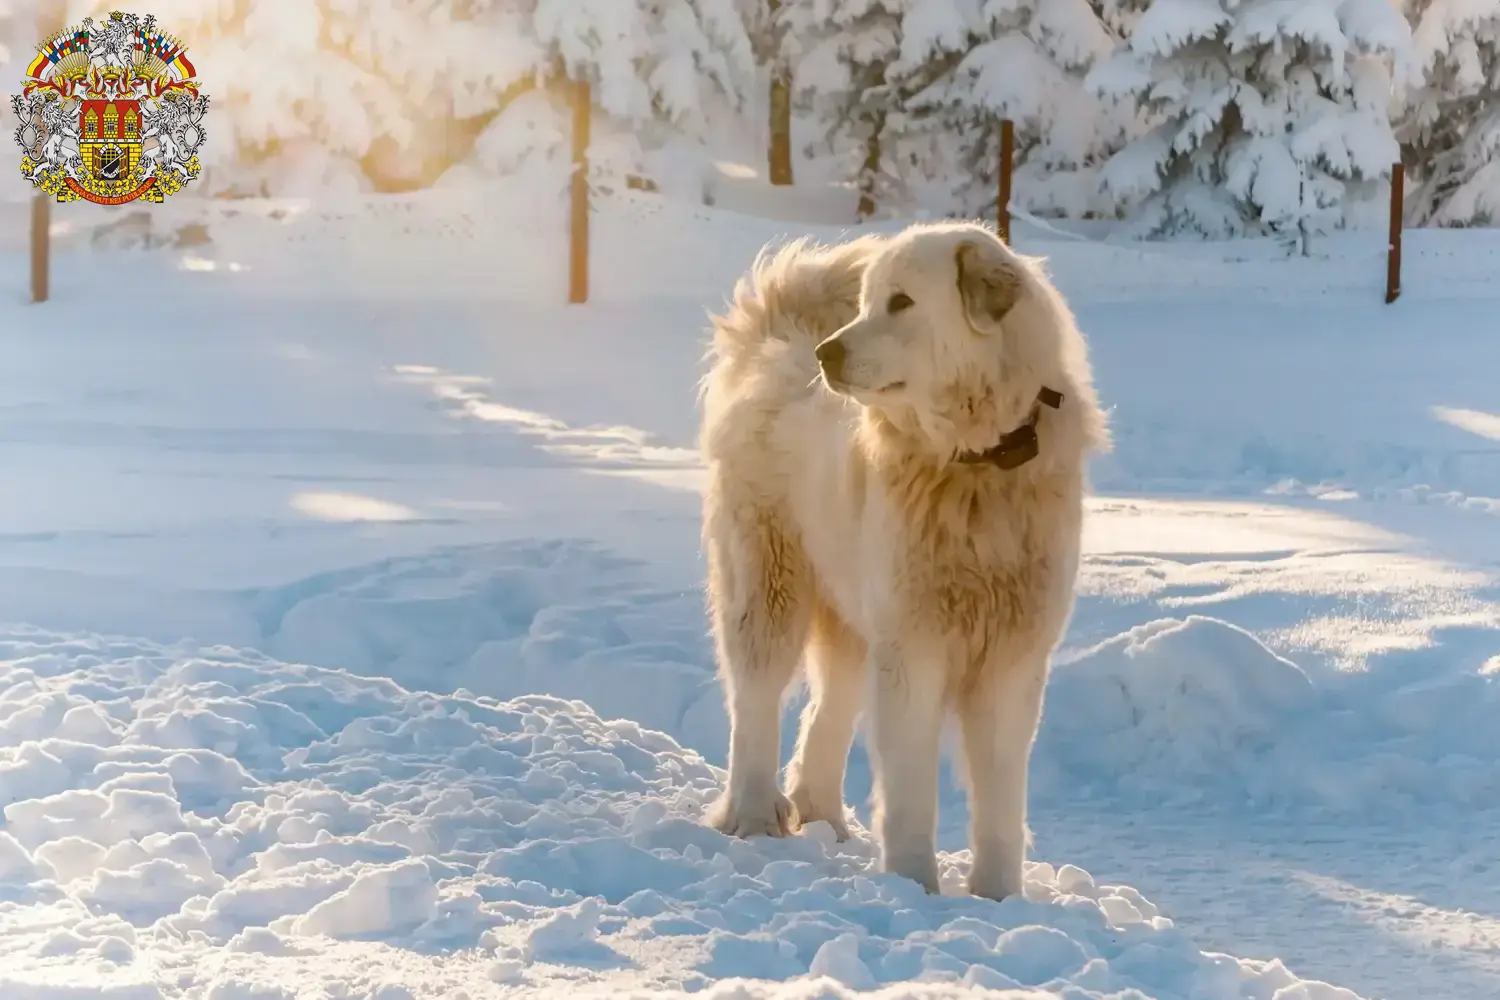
x=1021, y=445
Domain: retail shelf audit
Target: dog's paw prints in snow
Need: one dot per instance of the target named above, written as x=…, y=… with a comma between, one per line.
x=220, y=825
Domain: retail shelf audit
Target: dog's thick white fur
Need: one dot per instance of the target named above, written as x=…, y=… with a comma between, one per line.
x=842, y=529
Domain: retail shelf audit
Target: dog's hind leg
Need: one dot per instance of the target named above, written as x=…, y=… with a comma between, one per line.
x=760, y=594
x=999, y=720
x=835, y=672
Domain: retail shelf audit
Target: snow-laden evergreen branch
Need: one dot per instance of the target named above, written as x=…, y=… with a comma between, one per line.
x=1267, y=116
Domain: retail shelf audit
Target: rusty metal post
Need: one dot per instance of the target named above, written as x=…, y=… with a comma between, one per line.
x=1393, y=259
x=1007, y=158
x=578, y=255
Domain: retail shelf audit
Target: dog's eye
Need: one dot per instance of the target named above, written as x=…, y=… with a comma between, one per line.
x=899, y=302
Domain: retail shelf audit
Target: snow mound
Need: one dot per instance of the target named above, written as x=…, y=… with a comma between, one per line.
x=1193, y=694
x=221, y=824
x=1195, y=708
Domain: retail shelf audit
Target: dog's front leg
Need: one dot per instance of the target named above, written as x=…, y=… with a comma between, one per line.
x=907, y=722
x=999, y=720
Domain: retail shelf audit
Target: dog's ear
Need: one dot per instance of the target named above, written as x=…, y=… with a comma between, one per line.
x=989, y=283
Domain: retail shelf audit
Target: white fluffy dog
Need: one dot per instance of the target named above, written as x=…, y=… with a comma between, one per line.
x=896, y=431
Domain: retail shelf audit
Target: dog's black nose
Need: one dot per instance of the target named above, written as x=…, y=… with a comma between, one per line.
x=831, y=357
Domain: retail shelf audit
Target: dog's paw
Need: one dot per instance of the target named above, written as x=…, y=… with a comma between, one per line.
x=997, y=883
x=764, y=816
x=808, y=812
x=921, y=868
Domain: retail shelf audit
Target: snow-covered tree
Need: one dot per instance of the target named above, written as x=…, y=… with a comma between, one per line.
x=313, y=95
x=18, y=40
x=1120, y=16
x=1024, y=60
x=850, y=76
x=672, y=61
x=18, y=31
x=309, y=95
x=911, y=93
x=1450, y=123
x=1268, y=115
x=664, y=74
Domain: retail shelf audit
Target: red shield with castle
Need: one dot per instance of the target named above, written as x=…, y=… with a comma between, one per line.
x=109, y=139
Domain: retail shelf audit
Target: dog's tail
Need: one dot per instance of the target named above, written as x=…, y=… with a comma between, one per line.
x=797, y=295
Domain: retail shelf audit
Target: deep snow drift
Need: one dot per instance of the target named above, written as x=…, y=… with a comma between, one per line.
x=219, y=823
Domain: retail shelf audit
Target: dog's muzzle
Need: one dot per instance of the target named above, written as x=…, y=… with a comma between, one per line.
x=831, y=354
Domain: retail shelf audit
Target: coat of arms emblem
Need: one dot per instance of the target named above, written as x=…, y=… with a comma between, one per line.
x=110, y=113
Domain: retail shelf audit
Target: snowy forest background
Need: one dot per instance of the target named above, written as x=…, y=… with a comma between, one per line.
x=1181, y=118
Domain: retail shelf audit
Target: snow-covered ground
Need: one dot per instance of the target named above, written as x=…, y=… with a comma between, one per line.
x=353, y=644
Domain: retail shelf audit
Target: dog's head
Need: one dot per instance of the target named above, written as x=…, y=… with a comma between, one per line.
x=956, y=334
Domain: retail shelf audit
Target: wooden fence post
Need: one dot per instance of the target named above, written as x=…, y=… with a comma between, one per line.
x=1393, y=259
x=1007, y=156
x=779, y=151
x=49, y=25
x=578, y=249
x=41, y=246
